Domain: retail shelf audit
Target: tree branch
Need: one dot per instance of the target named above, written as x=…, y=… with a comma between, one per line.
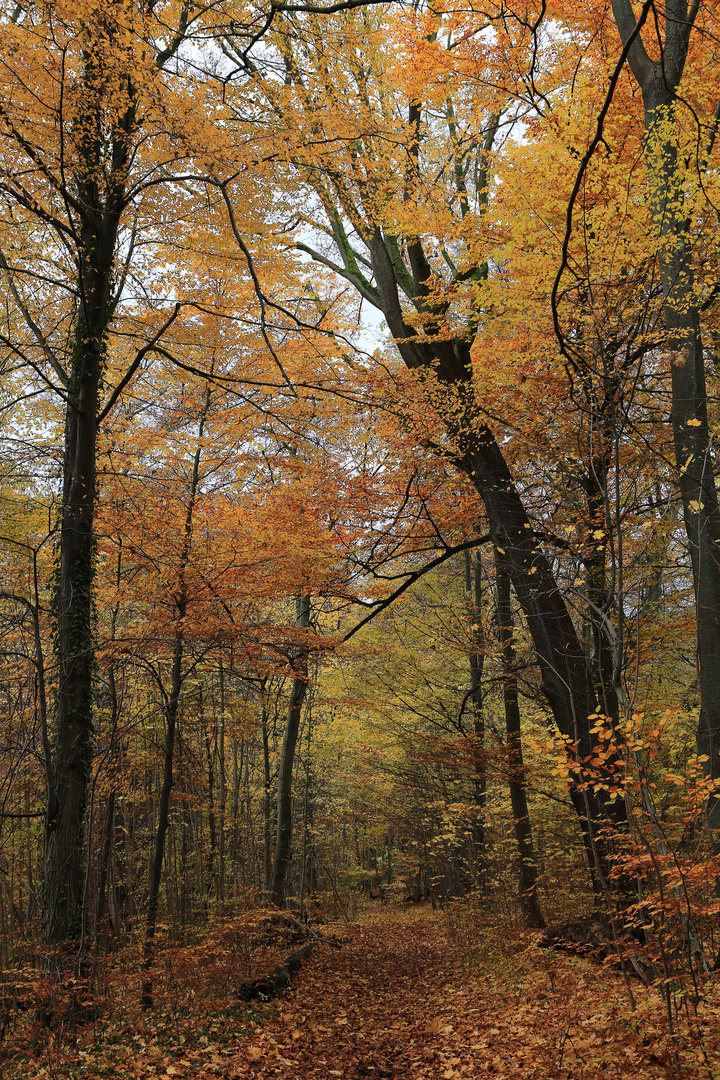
x=412, y=577
x=634, y=50
x=632, y=37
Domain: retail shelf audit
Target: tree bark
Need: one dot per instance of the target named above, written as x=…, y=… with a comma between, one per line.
x=172, y=707
x=518, y=788
x=659, y=81
x=73, y=603
x=283, y=842
x=473, y=592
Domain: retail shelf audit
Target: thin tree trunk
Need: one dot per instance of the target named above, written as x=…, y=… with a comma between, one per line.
x=237, y=773
x=104, y=861
x=223, y=790
x=473, y=592
x=267, y=799
x=283, y=842
x=210, y=751
x=518, y=790
x=304, y=844
x=171, y=715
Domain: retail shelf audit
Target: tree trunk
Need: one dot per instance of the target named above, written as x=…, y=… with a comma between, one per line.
x=95, y=235
x=473, y=592
x=212, y=824
x=73, y=606
x=566, y=679
x=659, y=81
x=518, y=791
x=171, y=714
x=223, y=790
x=267, y=808
x=283, y=842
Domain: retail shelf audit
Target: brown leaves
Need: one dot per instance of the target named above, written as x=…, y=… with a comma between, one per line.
x=398, y=1002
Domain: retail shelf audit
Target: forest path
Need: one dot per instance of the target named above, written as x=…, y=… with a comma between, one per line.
x=410, y=995
x=394, y=1002
x=366, y=1009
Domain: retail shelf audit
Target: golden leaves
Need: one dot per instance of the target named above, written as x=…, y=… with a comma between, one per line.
x=679, y=357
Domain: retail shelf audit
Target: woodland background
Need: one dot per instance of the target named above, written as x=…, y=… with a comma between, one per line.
x=360, y=533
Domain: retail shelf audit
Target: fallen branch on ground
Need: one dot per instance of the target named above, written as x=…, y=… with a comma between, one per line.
x=271, y=985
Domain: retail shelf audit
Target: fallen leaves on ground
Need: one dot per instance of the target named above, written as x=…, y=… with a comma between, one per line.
x=401, y=1000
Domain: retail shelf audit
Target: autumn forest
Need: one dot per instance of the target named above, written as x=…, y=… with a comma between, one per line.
x=360, y=538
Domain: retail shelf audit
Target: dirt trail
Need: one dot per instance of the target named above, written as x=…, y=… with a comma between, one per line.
x=377, y=1007
x=411, y=994
x=394, y=1002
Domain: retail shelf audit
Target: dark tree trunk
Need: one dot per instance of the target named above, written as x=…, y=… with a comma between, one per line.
x=64, y=858
x=566, y=678
x=659, y=81
x=267, y=799
x=212, y=824
x=223, y=790
x=283, y=842
x=104, y=863
x=96, y=230
x=172, y=707
x=518, y=788
x=473, y=592
x=156, y=865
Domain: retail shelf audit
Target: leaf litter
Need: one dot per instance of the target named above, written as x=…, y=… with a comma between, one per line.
x=407, y=997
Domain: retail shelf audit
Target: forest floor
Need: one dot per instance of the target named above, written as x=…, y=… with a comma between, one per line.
x=410, y=994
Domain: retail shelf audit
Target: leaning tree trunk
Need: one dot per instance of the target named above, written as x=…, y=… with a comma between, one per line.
x=566, y=678
x=283, y=842
x=401, y=284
